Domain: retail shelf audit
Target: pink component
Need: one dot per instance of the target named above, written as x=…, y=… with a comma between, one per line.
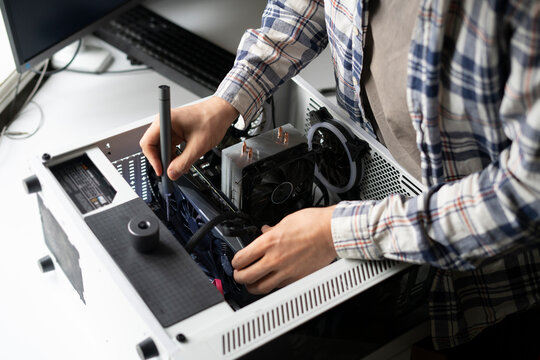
x=219, y=285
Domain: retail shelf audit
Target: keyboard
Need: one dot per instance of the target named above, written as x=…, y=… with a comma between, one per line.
x=176, y=53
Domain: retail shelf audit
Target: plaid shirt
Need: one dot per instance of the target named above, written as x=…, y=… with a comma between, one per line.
x=473, y=94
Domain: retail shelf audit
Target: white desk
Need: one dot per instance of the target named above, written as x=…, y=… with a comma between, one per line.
x=41, y=316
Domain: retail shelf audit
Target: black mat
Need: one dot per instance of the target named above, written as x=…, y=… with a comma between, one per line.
x=169, y=282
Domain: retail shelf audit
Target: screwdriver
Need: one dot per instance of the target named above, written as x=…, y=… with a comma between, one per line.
x=165, y=142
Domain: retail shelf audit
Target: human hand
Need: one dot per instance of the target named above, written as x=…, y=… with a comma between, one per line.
x=297, y=246
x=201, y=126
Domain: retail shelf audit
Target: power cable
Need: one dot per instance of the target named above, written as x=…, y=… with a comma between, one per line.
x=56, y=71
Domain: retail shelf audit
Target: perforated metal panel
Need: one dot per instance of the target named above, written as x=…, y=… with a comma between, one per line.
x=133, y=170
x=257, y=327
x=313, y=105
x=381, y=178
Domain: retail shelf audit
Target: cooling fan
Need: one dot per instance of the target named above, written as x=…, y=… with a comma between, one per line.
x=338, y=155
x=279, y=185
x=270, y=175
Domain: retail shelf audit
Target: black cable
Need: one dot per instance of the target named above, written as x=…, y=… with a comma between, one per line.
x=324, y=191
x=199, y=234
x=55, y=71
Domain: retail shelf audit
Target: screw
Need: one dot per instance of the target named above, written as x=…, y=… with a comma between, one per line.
x=46, y=157
x=181, y=338
x=143, y=225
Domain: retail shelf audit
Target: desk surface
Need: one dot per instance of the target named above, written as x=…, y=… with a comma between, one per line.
x=41, y=317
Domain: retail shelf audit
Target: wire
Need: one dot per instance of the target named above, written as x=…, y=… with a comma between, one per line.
x=55, y=71
x=199, y=234
x=324, y=193
x=21, y=135
x=13, y=114
x=38, y=83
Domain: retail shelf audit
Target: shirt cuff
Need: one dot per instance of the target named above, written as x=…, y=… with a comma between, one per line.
x=241, y=89
x=351, y=231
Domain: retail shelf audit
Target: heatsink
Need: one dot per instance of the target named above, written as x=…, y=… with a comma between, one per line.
x=270, y=175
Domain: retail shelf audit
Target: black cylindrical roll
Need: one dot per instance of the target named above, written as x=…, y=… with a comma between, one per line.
x=144, y=233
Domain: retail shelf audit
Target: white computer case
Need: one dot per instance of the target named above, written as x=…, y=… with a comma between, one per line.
x=218, y=332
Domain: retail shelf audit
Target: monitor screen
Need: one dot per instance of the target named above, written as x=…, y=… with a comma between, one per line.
x=38, y=28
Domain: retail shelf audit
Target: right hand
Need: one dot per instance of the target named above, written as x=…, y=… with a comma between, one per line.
x=201, y=126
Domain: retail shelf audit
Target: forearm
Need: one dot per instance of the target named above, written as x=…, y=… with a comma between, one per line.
x=496, y=208
x=454, y=226
x=292, y=34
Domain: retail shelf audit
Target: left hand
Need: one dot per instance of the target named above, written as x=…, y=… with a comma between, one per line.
x=297, y=246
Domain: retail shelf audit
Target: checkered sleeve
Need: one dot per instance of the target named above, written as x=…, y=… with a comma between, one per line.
x=292, y=33
x=458, y=224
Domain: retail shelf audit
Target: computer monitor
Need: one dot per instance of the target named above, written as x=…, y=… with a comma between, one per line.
x=37, y=29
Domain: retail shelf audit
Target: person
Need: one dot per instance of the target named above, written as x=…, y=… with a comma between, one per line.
x=466, y=74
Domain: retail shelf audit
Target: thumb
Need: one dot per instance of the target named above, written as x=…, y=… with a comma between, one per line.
x=181, y=164
x=265, y=228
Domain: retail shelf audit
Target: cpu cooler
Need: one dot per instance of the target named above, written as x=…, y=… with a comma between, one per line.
x=279, y=185
x=269, y=176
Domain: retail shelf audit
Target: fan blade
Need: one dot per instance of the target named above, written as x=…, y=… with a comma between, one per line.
x=262, y=191
x=299, y=172
x=333, y=162
x=274, y=176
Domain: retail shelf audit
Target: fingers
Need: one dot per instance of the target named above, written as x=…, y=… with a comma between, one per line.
x=298, y=245
x=256, y=270
x=260, y=279
x=253, y=273
x=250, y=253
x=201, y=126
x=268, y=283
x=150, y=146
x=181, y=164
